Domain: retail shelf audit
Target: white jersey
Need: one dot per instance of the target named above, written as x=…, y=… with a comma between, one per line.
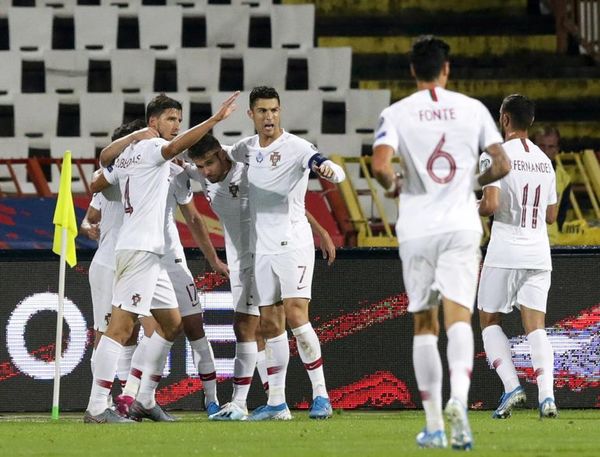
x=278, y=180
x=143, y=177
x=108, y=202
x=519, y=238
x=438, y=134
x=229, y=200
x=180, y=193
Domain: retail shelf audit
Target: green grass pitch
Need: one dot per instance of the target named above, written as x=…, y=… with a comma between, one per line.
x=574, y=433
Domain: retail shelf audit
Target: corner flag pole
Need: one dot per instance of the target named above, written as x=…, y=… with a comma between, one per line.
x=65, y=232
x=59, y=325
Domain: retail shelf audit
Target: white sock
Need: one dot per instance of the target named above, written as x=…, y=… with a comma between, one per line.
x=309, y=349
x=497, y=350
x=278, y=357
x=155, y=354
x=92, y=361
x=261, y=366
x=243, y=369
x=542, y=359
x=428, y=371
x=107, y=357
x=205, y=363
x=124, y=364
x=135, y=372
x=460, y=360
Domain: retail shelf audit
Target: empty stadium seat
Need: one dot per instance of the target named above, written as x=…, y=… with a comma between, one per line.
x=293, y=26
x=90, y=36
x=198, y=69
x=132, y=70
x=10, y=75
x=15, y=148
x=30, y=29
x=190, y=7
x=153, y=32
x=228, y=27
x=329, y=70
x=127, y=7
x=257, y=7
x=237, y=125
x=348, y=145
x=36, y=115
x=264, y=67
x=99, y=115
x=66, y=71
x=302, y=113
x=363, y=108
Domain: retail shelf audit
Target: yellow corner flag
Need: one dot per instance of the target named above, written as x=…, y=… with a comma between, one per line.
x=64, y=214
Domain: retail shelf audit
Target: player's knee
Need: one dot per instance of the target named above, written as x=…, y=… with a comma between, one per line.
x=488, y=319
x=193, y=327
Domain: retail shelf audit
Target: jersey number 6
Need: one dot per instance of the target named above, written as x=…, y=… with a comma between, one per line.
x=439, y=154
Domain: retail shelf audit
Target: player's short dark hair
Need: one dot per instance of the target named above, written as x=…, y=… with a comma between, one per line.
x=159, y=104
x=207, y=143
x=263, y=92
x=127, y=128
x=520, y=109
x=428, y=56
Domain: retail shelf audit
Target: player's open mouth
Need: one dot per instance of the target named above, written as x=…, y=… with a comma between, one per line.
x=269, y=126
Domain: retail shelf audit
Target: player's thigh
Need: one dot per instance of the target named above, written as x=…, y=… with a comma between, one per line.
x=533, y=292
x=458, y=267
x=243, y=291
x=101, y=287
x=497, y=290
x=418, y=271
x=295, y=271
x=136, y=278
x=266, y=282
x=186, y=294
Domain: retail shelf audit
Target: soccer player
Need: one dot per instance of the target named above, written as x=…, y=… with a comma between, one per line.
x=282, y=243
x=142, y=284
x=225, y=185
x=438, y=135
x=517, y=266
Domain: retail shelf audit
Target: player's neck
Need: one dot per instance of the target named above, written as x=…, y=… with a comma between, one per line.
x=265, y=141
x=429, y=85
x=514, y=134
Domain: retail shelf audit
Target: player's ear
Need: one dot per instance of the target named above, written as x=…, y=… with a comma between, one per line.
x=250, y=114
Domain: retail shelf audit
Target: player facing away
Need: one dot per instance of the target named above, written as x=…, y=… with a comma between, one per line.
x=438, y=135
x=282, y=243
x=517, y=267
x=142, y=285
x=225, y=186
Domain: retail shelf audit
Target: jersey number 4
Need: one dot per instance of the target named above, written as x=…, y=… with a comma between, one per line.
x=536, y=204
x=440, y=154
x=127, y=203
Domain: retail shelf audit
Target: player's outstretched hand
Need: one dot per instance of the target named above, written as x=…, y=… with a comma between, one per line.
x=147, y=133
x=227, y=107
x=327, y=248
x=221, y=268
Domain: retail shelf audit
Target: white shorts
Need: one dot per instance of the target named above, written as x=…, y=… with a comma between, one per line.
x=502, y=289
x=444, y=265
x=242, y=291
x=185, y=289
x=101, y=286
x=287, y=275
x=142, y=283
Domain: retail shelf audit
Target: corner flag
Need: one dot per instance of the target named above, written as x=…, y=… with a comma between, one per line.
x=64, y=215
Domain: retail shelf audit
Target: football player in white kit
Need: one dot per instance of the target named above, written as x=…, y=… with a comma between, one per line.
x=102, y=222
x=438, y=135
x=517, y=267
x=282, y=243
x=142, y=285
x=225, y=185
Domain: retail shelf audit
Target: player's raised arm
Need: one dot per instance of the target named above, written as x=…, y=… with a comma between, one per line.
x=499, y=168
x=188, y=138
x=114, y=149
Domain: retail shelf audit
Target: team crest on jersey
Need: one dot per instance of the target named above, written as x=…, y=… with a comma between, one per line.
x=135, y=299
x=485, y=164
x=275, y=157
x=234, y=189
x=259, y=157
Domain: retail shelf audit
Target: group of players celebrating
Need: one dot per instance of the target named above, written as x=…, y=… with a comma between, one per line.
x=257, y=189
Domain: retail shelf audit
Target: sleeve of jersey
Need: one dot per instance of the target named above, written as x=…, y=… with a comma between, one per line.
x=552, y=196
x=111, y=175
x=489, y=133
x=97, y=200
x=237, y=152
x=152, y=151
x=485, y=162
x=386, y=133
x=183, y=193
